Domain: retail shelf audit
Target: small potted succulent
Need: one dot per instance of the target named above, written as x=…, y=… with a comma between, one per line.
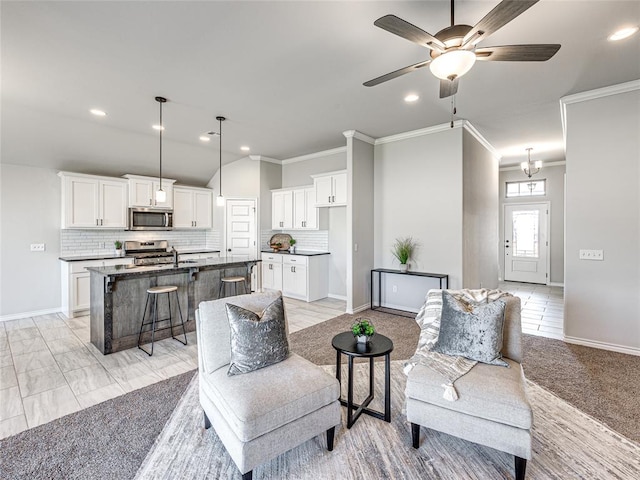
x=118, y=245
x=403, y=250
x=292, y=245
x=363, y=330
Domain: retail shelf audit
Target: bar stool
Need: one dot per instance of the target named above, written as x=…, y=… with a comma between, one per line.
x=152, y=294
x=232, y=281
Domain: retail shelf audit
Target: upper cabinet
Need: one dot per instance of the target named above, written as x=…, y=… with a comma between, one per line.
x=281, y=209
x=142, y=191
x=330, y=189
x=305, y=213
x=89, y=201
x=192, y=207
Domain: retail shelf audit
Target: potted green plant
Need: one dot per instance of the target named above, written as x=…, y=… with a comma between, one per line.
x=118, y=245
x=403, y=250
x=363, y=330
x=292, y=245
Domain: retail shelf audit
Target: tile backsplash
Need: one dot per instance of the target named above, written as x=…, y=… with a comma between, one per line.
x=89, y=242
x=305, y=239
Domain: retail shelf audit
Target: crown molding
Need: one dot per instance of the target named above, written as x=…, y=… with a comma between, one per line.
x=418, y=133
x=478, y=136
x=262, y=158
x=311, y=156
x=544, y=164
x=359, y=136
x=592, y=95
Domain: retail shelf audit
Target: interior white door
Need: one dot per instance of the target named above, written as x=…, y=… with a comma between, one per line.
x=526, y=242
x=241, y=228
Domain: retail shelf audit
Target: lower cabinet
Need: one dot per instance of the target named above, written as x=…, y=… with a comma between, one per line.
x=298, y=276
x=76, y=294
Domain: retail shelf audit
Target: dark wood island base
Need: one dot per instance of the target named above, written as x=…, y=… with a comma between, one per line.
x=118, y=297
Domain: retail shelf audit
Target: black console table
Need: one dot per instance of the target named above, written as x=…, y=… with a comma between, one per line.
x=443, y=279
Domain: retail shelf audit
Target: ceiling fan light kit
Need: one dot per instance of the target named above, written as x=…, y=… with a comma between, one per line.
x=453, y=50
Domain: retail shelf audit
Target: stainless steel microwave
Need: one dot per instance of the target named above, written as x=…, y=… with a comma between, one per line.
x=145, y=218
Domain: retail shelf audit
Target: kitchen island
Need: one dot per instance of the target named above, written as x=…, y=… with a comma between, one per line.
x=118, y=295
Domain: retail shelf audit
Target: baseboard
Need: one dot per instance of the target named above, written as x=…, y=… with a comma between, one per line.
x=603, y=345
x=400, y=307
x=338, y=297
x=359, y=309
x=35, y=313
x=555, y=284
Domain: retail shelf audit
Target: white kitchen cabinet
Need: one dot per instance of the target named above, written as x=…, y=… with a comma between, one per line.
x=192, y=207
x=75, y=282
x=142, y=191
x=305, y=213
x=298, y=276
x=198, y=256
x=89, y=201
x=272, y=271
x=331, y=189
x=281, y=209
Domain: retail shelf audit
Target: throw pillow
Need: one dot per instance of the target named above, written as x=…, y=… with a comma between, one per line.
x=257, y=341
x=471, y=330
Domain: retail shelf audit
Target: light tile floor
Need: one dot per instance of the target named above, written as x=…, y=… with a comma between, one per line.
x=48, y=367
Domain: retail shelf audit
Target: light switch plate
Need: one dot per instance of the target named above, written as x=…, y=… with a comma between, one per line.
x=591, y=255
x=37, y=247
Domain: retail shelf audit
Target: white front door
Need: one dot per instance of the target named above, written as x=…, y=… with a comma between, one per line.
x=526, y=242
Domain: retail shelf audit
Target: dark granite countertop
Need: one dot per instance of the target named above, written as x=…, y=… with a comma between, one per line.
x=183, y=267
x=96, y=256
x=306, y=253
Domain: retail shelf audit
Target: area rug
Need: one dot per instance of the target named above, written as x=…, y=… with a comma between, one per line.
x=566, y=444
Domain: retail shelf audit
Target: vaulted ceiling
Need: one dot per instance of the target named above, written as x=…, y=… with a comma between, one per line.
x=287, y=75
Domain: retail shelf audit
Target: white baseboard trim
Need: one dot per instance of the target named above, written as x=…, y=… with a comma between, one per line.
x=35, y=313
x=338, y=297
x=556, y=284
x=359, y=309
x=400, y=307
x=603, y=345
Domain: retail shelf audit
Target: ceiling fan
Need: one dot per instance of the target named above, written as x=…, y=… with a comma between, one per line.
x=453, y=49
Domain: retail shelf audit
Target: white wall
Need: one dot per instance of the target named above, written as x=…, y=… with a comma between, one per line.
x=418, y=193
x=480, y=215
x=602, y=300
x=270, y=178
x=29, y=213
x=554, y=176
x=360, y=222
x=298, y=174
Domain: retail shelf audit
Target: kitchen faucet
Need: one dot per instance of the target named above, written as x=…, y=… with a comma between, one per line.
x=175, y=256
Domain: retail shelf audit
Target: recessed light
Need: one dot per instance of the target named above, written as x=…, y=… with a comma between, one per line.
x=98, y=113
x=204, y=138
x=245, y=148
x=411, y=98
x=622, y=34
x=158, y=127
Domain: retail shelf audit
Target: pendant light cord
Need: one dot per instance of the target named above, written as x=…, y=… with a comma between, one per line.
x=161, y=128
x=220, y=120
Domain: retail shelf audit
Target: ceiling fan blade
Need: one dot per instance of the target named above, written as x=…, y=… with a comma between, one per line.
x=518, y=53
x=502, y=14
x=406, y=30
x=448, y=87
x=397, y=73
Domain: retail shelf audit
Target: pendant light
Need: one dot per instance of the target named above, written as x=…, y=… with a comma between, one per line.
x=161, y=195
x=528, y=168
x=220, y=199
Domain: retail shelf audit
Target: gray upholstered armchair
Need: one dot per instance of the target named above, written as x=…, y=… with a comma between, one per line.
x=261, y=414
x=492, y=408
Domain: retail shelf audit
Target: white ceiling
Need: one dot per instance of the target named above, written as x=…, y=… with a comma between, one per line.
x=287, y=75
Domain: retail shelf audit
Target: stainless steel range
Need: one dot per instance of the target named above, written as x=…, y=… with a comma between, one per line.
x=152, y=252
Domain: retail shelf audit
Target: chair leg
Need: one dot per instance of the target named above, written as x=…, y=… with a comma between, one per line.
x=248, y=475
x=330, y=434
x=207, y=422
x=415, y=435
x=521, y=467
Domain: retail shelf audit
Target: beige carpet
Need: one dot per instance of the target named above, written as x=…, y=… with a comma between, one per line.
x=567, y=444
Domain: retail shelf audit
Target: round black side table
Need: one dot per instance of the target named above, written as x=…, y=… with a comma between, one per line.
x=379, y=345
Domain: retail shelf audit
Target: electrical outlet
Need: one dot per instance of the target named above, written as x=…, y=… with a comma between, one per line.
x=37, y=247
x=395, y=289
x=591, y=255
